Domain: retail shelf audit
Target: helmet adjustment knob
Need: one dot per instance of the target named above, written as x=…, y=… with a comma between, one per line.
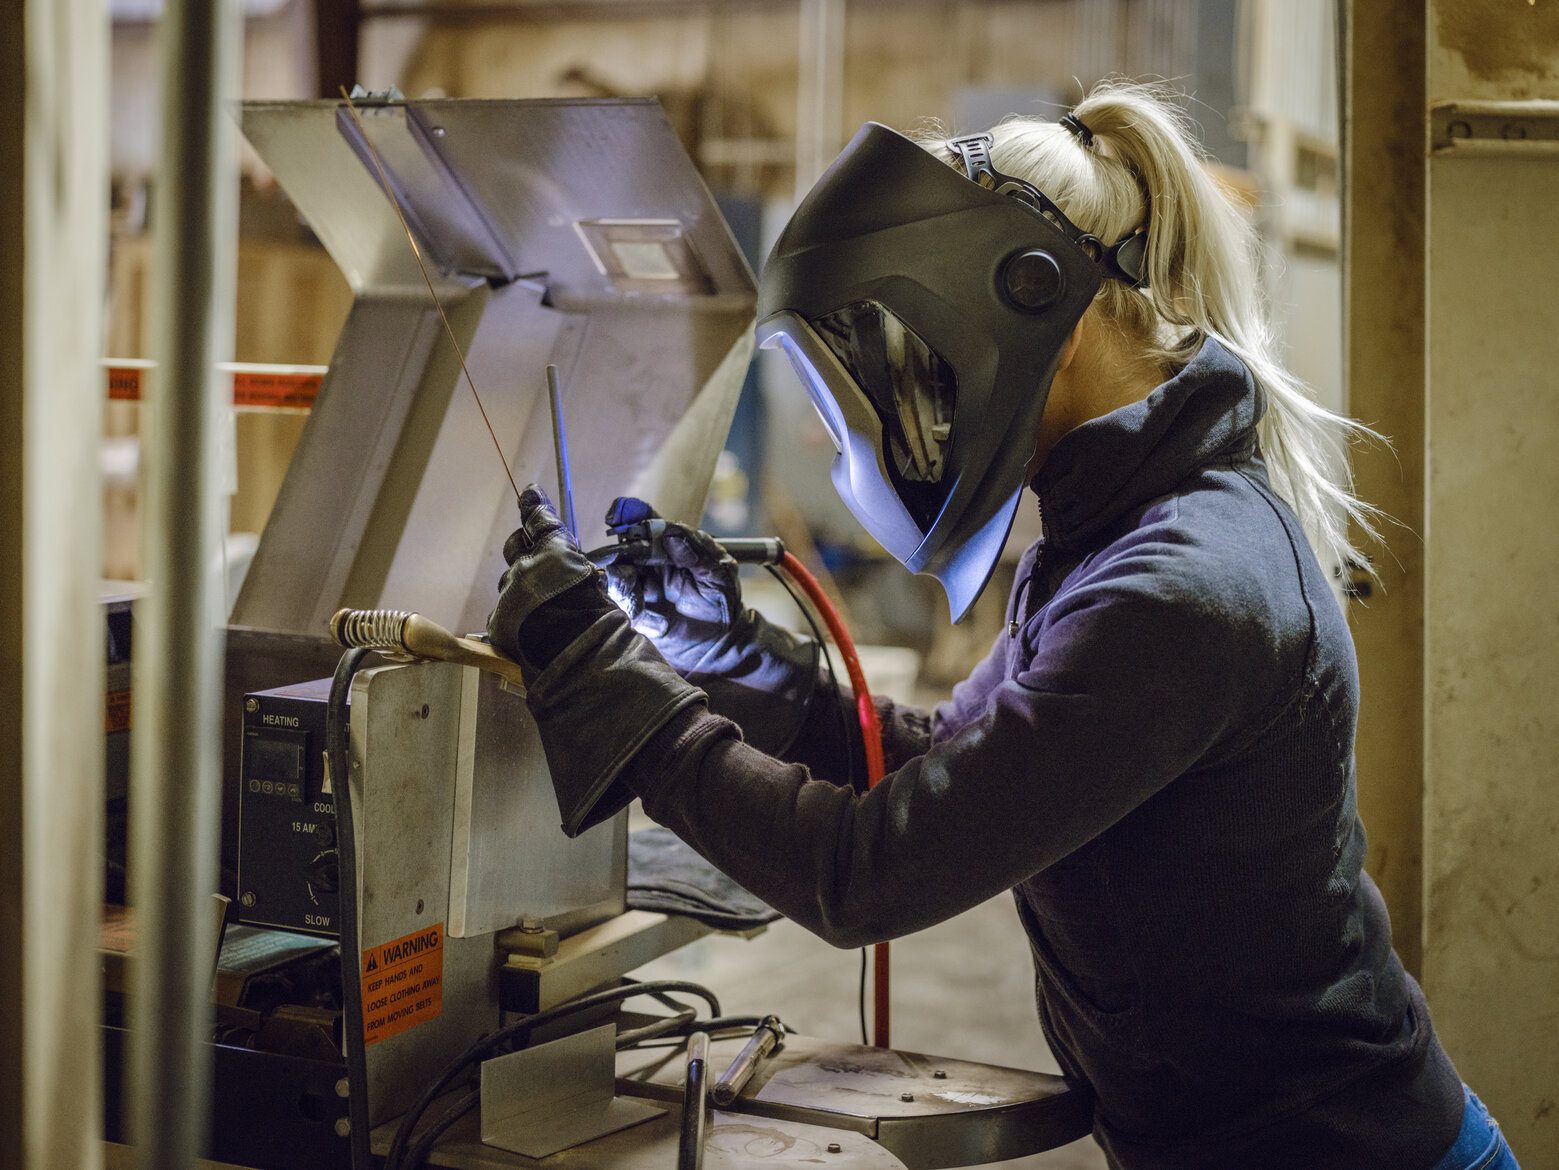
x=1032, y=280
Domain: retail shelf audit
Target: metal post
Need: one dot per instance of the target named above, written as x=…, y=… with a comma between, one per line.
x=176, y=778
x=819, y=90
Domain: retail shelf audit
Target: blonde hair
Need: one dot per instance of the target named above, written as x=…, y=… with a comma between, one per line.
x=1144, y=169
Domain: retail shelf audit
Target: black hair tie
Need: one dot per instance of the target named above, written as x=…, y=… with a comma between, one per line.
x=1076, y=125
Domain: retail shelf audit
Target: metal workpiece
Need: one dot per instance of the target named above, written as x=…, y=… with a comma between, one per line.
x=509, y=861
x=451, y=842
x=404, y=722
x=571, y=233
x=928, y=1111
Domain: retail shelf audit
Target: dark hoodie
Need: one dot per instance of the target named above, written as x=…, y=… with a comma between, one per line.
x=1157, y=758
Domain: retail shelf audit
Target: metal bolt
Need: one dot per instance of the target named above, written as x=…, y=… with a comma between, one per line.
x=248, y=898
x=343, y=1127
x=438, y=132
x=940, y=1074
x=530, y=924
x=906, y=1096
x=251, y=705
x=342, y=1088
x=833, y=1147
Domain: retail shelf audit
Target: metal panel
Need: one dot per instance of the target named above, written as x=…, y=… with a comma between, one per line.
x=431, y=741
x=343, y=459
x=507, y=861
x=405, y=722
x=394, y=497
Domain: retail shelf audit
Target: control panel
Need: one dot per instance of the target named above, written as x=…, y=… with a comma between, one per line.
x=288, y=875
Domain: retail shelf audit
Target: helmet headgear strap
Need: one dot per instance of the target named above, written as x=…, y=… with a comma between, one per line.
x=1124, y=260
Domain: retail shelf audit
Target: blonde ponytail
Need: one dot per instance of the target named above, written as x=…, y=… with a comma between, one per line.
x=1141, y=168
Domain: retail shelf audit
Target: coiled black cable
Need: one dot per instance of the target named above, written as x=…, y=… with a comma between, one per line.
x=336, y=728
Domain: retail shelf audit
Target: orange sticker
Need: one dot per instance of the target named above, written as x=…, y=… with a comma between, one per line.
x=124, y=383
x=261, y=388
x=117, y=712
x=403, y=983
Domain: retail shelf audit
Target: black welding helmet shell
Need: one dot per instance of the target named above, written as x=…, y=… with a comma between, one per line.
x=925, y=315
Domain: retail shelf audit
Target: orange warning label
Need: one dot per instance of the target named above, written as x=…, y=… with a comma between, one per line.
x=403, y=983
x=291, y=389
x=117, y=712
x=258, y=388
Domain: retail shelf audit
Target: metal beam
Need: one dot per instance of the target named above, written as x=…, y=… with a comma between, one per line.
x=53, y=245
x=176, y=740
x=1383, y=372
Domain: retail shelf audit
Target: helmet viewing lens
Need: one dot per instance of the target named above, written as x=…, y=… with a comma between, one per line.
x=912, y=391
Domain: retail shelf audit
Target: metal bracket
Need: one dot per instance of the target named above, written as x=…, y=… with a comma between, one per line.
x=1494, y=127
x=556, y=1096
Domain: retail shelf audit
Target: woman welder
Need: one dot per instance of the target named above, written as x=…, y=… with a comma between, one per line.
x=1157, y=755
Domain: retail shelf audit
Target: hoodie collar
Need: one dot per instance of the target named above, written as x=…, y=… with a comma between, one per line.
x=1112, y=464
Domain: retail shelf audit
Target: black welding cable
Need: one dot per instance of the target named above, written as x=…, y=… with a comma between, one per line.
x=712, y=1026
x=849, y=732
x=861, y=999
x=677, y=1023
x=336, y=726
x=846, y=716
x=522, y=1028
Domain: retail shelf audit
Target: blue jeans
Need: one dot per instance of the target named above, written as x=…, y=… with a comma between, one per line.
x=1480, y=1145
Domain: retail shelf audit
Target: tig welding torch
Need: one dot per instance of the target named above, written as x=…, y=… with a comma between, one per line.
x=744, y=550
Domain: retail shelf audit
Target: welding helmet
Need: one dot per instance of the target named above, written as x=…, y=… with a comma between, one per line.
x=924, y=311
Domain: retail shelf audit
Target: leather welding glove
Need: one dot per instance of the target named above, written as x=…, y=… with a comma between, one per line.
x=597, y=690
x=681, y=590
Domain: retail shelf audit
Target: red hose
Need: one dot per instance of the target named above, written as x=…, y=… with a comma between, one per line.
x=871, y=733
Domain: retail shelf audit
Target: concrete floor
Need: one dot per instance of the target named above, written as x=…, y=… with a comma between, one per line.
x=962, y=989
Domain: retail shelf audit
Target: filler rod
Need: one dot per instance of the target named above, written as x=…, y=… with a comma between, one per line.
x=560, y=447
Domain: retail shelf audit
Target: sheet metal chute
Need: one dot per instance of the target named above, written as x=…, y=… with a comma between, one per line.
x=576, y=233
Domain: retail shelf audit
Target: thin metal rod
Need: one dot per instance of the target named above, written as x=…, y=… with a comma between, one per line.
x=177, y=756
x=389, y=193
x=560, y=449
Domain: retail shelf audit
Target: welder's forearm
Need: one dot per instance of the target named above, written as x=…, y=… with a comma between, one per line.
x=819, y=852
x=830, y=741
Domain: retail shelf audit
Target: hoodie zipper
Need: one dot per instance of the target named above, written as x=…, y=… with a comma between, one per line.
x=1026, y=594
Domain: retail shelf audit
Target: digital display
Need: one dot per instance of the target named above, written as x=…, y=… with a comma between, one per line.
x=275, y=759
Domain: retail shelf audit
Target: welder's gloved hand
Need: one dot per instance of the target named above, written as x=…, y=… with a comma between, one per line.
x=597, y=690
x=682, y=591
